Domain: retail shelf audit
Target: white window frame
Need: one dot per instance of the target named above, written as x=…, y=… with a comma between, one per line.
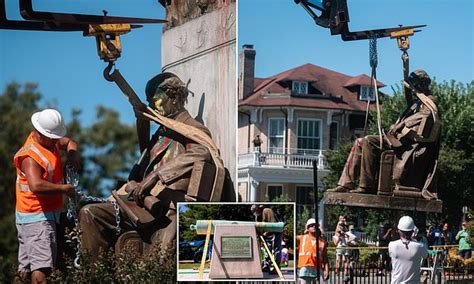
x=364, y=93
x=267, y=193
x=269, y=147
x=299, y=87
x=320, y=131
x=337, y=134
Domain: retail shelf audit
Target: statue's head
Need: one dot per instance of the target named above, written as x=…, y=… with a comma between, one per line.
x=166, y=93
x=420, y=81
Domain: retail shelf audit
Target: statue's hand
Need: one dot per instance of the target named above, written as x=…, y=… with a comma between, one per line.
x=139, y=109
x=136, y=190
x=140, y=190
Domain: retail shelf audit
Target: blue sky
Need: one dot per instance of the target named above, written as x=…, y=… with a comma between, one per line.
x=285, y=36
x=69, y=72
x=66, y=65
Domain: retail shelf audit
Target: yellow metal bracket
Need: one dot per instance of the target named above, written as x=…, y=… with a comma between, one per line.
x=108, y=39
x=204, y=254
x=402, y=37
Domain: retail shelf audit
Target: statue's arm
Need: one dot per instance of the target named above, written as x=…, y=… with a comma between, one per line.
x=421, y=129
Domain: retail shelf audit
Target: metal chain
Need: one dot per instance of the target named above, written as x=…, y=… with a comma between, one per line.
x=72, y=178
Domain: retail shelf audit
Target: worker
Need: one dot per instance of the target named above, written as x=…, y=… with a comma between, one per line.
x=39, y=193
x=273, y=240
x=406, y=254
x=308, y=261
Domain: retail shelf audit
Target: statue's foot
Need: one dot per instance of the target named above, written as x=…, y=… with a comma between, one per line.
x=359, y=190
x=339, y=188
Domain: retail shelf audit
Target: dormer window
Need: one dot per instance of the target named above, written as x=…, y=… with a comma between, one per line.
x=300, y=87
x=364, y=93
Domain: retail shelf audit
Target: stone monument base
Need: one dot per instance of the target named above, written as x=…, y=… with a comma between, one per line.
x=235, y=253
x=382, y=202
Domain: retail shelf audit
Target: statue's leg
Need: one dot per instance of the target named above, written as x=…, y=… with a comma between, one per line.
x=166, y=233
x=370, y=161
x=98, y=227
x=351, y=170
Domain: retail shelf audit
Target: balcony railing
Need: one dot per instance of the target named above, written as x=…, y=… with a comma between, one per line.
x=294, y=158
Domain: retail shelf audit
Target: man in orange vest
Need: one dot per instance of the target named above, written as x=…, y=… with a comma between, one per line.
x=39, y=193
x=308, y=262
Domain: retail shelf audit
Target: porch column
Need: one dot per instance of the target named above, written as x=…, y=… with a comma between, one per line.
x=253, y=190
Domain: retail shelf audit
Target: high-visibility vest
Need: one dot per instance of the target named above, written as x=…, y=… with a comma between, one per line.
x=307, y=251
x=26, y=200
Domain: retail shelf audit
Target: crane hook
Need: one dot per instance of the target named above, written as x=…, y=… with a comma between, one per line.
x=107, y=74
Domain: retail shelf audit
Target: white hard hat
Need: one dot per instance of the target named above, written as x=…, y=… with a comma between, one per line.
x=49, y=123
x=310, y=221
x=406, y=224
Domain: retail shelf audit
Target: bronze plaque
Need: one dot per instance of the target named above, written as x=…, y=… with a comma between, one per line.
x=236, y=247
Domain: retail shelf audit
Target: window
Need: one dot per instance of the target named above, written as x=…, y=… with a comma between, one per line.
x=300, y=87
x=333, y=135
x=304, y=198
x=364, y=93
x=274, y=191
x=276, y=135
x=309, y=135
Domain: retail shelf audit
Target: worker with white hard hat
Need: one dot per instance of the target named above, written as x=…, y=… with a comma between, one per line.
x=308, y=260
x=39, y=192
x=406, y=254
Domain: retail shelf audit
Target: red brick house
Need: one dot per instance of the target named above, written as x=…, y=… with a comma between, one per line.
x=298, y=114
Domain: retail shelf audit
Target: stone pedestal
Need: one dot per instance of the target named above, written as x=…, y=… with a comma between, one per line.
x=383, y=202
x=202, y=48
x=235, y=253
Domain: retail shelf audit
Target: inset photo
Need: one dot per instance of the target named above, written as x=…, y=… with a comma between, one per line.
x=236, y=241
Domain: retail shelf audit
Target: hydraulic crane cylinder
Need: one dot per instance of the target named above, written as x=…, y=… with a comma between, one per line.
x=201, y=226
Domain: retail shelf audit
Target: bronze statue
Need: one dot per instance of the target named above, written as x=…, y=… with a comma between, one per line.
x=173, y=168
x=414, y=140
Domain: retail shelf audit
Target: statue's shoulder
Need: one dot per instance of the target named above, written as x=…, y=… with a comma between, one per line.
x=187, y=119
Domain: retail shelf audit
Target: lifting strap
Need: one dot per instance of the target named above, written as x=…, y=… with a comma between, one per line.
x=373, y=88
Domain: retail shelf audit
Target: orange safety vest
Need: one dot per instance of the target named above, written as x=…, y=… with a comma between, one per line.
x=307, y=251
x=27, y=201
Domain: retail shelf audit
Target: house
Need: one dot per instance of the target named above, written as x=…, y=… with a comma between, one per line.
x=298, y=115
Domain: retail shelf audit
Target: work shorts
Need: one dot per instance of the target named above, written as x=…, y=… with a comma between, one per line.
x=37, y=245
x=342, y=251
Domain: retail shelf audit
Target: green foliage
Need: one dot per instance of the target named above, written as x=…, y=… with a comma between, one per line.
x=336, y=160
x=159, y=266
x=301, y=221
x=110, y=151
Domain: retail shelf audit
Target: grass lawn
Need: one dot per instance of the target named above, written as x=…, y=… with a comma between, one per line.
x=192, y=265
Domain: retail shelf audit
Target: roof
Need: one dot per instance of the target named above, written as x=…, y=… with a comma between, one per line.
x=337, y=90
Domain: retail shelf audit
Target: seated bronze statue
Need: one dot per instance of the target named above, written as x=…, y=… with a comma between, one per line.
x=172, y=168
x=413, y=140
